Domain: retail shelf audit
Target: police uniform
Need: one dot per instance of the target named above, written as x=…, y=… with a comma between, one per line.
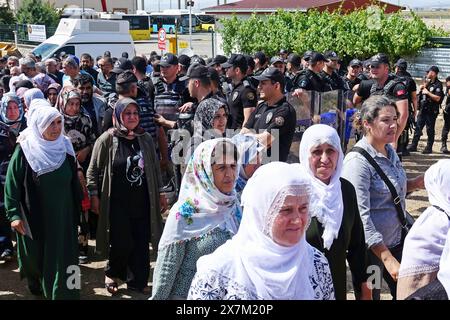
x=446, y=127
x=281, y=116
x=333, y=81
x=352, y=83
x=393, y=88
x=242, y=96
x=428, y=112
x=311, y=81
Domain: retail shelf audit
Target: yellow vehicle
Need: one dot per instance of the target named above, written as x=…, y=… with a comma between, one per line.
x=140, y=26
x=206, y=22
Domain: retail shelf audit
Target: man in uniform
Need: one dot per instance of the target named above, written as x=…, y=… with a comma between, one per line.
x=330, y=74
x=446, y=115
x=431, y=95
x=386, y=84
x=260, y=63
x=275, y=113
x=279, y=63
x=310, y=79
x=353, y=70
x=242, y=99
x=400, y=71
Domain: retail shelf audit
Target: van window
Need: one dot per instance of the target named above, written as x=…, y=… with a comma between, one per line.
x=44, y=49
x=66, y=50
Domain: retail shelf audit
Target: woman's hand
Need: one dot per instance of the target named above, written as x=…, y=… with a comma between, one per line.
x=83, y=154
x=392, y=266
x=18, y=226
x=95, y=204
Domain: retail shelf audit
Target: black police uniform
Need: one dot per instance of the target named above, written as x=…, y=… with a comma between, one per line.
x=281, y=116
x=242, y=96
x=428, y=112
x=446, y=127
x=311, y=81
x=393, y=88
x=411, y=87
x=352, y=83
x=333, y=81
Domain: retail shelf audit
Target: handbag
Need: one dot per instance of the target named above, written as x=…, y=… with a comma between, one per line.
x=406, y=219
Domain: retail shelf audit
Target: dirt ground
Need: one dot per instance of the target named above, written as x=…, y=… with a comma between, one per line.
x=92, y=277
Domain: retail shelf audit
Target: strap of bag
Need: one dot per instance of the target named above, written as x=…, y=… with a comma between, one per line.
x=395, y=196
x=440, y=209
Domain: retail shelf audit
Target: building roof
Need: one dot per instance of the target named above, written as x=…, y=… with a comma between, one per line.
x=268, y=6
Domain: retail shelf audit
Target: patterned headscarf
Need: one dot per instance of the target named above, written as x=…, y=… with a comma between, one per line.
x=6, y=99
x=119, y=129
x=201, y=206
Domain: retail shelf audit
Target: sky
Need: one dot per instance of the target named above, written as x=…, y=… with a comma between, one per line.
x=154, y=5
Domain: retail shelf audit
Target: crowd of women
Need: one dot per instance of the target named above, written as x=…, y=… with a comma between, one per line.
x=239, y=229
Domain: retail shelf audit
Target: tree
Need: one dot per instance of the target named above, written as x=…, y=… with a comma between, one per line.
x=6, y=15
x=38, y=12
x=361, y=33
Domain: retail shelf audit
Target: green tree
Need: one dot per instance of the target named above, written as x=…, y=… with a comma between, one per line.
x=38, y=12
x=361, y=33
x=6, y=15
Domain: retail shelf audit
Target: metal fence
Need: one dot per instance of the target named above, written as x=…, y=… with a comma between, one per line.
x=439, y=56
x=7, y=33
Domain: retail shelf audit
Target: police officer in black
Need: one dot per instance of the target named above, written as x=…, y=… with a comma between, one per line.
x=330, y=75
x=310, y=79
x=242, y=99
x=353, y=70
x=400, y=71
x=279, y=63
x=431, y=95
x=446, y=115
x=384, y=83
x=275, y=113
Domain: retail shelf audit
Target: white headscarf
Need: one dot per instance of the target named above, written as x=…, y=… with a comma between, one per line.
x=425, y=241
x=326, y=199
x=201, y=206
x=32, y=94
x=444, y=267
x=252, y=258
x=43, y=156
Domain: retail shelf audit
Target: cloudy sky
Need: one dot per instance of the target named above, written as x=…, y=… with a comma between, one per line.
x=154, y=5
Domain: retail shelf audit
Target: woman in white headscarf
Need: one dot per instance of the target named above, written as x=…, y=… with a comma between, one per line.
x=269, y=257
x=425, y=241
x=31, y=95
x=336, y=228
x=202, y=219
x=42, y=202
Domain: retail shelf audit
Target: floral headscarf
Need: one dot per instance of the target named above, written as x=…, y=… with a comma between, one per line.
x=201, y=206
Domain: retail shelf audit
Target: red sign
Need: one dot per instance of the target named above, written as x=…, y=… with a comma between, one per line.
x=162, y=39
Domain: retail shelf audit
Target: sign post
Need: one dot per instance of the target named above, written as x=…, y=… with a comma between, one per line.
x=162, y=40
x=36, y=32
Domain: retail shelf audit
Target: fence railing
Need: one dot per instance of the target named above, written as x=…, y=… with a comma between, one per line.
x=7, y=33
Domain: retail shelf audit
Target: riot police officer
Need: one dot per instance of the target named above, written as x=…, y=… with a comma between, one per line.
x=386, y=84
x=330, y=75
x=446, y=115
x=310, y=79
x=430, y=97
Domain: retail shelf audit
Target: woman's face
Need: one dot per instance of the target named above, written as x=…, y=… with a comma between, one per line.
x=384, y=127
x=323, y=161
x=290, y=223
x=72, y=107
x=130, y=117
x=220, y=120
x=12, y=111
x=53, y=131
x=224, y=172
x=52, y=96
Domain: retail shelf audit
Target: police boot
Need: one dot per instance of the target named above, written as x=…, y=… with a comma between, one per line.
x=428, y=149
x=444, y=147
x=413, y=146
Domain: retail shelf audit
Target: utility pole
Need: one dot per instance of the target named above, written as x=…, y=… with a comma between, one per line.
x=190, y=4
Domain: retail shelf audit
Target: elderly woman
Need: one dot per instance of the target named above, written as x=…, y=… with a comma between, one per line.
x=77, y=125
x=11, y=123
x=425, y=241
x=30, y=95
x=202, y=219
x=124, y=175
x=382, y=226
x=336, y=228
x=42, y=202
x=269, y=257
x=52, y=93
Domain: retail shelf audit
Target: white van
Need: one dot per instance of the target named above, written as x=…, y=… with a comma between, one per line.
x=78, y=36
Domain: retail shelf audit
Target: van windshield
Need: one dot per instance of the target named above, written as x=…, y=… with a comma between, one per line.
x=44, y=50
